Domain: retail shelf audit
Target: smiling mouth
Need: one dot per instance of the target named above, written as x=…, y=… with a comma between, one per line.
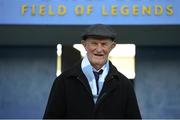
x=98, y=55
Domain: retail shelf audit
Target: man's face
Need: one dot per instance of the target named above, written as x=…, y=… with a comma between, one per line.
x=98, y=50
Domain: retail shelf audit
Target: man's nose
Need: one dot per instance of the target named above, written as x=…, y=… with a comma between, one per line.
x=99, y=48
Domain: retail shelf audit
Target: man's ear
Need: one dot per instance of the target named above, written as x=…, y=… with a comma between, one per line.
x=113, y=45
x=83, y=42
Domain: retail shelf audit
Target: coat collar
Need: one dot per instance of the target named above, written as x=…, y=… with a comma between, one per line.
x=77, y=71
x=110, y=82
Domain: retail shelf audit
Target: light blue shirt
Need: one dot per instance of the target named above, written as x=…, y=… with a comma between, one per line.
x=88, y=71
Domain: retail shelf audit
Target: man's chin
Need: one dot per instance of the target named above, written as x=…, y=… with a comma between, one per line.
x=99, y=63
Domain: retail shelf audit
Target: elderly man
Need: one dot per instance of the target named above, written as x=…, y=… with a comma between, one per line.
x=93, y=88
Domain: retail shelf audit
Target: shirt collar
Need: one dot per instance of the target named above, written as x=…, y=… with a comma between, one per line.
x=103, y=67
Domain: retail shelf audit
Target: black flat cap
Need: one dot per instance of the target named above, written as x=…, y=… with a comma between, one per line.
x=99, y=31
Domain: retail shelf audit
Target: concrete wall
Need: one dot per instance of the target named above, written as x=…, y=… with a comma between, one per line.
x=157, y=81
x=26, y=75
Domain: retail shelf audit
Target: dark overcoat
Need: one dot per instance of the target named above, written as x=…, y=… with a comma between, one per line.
x=71, y=97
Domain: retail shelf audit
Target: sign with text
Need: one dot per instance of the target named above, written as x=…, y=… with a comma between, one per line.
x=84, y=12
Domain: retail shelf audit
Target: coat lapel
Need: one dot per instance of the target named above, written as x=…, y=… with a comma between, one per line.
x=78, y=73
